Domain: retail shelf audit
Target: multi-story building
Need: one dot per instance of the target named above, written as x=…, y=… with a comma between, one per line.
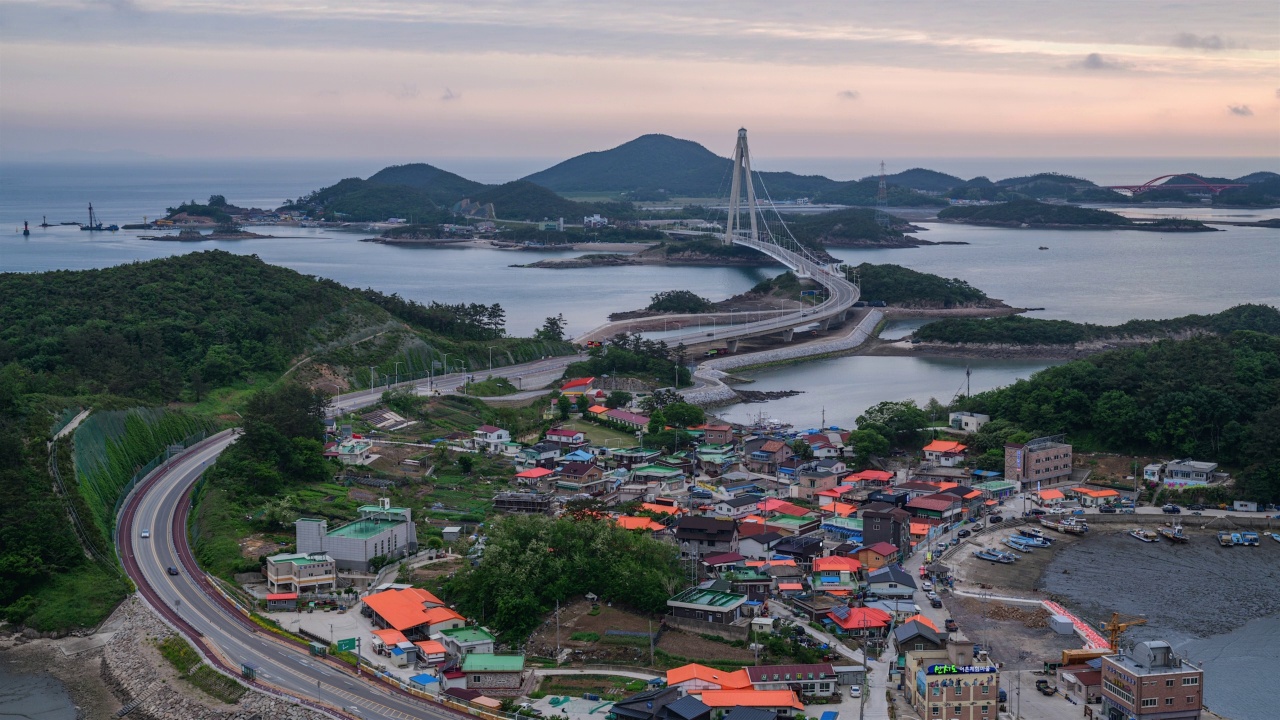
x=1043, y=460
x=1151, y=682
x=490, y=438
x=968, y=421
x=301, y=572
x=701, y=536
x=882, y=522
x=381, y=530
x=942, y=679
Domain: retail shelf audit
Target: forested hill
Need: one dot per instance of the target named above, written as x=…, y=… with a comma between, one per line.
x=441, y=186
x=675, y=167
x=1031, y=213
x=1212, y=398
x=164, y=329
x=1019, y=330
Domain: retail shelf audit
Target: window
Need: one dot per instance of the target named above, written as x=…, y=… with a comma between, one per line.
x=1168, y=701
x=1190, y=681
x=985, y=710
x=1191, y=699
x=986, y=689
x=1168, y=683
x=936, y=691
x=475, y=678
x=1148, y=702
x=936, y=711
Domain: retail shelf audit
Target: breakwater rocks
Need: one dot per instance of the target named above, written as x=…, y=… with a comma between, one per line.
x=136, y=673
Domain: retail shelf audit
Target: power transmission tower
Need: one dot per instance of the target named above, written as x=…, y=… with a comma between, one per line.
x=882, y=200
x=741, y=173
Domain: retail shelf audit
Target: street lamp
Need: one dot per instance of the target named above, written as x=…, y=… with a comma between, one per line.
x=398, y=364
x=491, y=347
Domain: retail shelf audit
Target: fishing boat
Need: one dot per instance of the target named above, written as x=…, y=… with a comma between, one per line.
x=1035, y=542
x=1035, y=533
x=1275, y=536
x=993, y=556
x=1144, y=535
x=1248, y=537
x=1173, y=533
x=1019, y=546
x=1225, y=539
x=1066, y=525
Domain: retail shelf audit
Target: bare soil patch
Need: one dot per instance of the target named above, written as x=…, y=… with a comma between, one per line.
x=695, y=647
x=258, y=545
x=437, y=569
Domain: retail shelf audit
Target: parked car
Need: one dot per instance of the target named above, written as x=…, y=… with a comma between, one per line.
x=855, y=691
x=1172, y=509
x=950, y=625
x=172, y=570
x=963, y=534
x=978, y=526
x=942, y=546
x=927, y=586
x=935, y=602
x=145, y=533
x=1038, y=512
x=1107, y=509
x=1126, y=511
x=1196, y=506
x=994, y=520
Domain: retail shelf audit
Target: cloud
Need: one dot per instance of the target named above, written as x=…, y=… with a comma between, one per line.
x=1095, y=61
x=407, y=91
x=848, y=94
x=1191, y=41
x=1240, y=110
x=450, y=95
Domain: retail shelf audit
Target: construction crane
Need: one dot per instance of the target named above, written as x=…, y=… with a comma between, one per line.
x=1115, y=626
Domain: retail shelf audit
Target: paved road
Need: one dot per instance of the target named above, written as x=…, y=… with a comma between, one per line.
x=188, y=602
x=841, y=295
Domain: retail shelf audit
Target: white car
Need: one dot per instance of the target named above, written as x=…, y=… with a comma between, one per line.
x=855, y=691
x=927, y=586
x=145, y=533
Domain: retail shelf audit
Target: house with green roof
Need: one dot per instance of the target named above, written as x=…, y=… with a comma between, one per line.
x=489, y=672
x=463, y=641
x=707, y=605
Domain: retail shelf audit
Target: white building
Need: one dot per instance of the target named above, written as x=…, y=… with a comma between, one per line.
x=490, y=439
x=968, y=422
x=301, y=572
x=381, y=530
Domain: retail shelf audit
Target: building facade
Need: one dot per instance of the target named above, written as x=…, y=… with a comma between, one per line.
x=1151, y=682
x=301, y=572
x=1043, y=460
x=381, y=530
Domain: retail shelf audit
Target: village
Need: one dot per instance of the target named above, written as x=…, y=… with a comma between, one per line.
x=870, y=583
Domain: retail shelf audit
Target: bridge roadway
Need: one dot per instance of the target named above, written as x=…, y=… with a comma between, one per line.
x=841, y=295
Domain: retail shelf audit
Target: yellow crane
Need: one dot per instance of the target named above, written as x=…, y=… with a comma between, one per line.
x=1118, y=624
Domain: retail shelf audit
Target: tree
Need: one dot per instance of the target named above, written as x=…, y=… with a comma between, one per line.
x=657, y=421
x=583, y=404
x=564, y=406
x=802, y=449
x=867, y=443
x=684, y=415
x=552, y=329
x=217, y=201
x=660, y=399
x=897, y=421
x=617, y=399
x=466, y=463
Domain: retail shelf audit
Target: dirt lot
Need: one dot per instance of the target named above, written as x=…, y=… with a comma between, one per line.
x=577, y=618
x=437, y=569
x=1023, y=576
x=1011, y=641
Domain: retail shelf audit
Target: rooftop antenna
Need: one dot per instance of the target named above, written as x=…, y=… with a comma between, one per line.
x=882, y=199
x=968, y=392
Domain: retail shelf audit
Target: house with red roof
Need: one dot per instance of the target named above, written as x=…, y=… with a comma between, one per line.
x=566, y=438
x=490, y=438
x=576, y=387
x=877, y=555
x=861, y=621
x=870, y=478
x=629, y=420
x=940, y=505
x=836, y=572
x=766, y=455
x=947, y=453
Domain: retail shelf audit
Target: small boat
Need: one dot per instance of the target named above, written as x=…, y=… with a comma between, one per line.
x=1144, y=535
x=1035, y=542
x=1042, y=247
x=1034, y=533
x=1007, y=554
x=1248, y=537
x=1275, y=536
x=992, y=556
x=1225, y=539
x=1237, y=538
x=1066, y=525
x=1020, y=547
x=1173, y=533
x=45, y=221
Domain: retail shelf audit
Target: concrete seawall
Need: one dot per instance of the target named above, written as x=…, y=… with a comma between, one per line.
x=711, y=374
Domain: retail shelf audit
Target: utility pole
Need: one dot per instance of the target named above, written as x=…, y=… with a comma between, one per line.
x=491, y=347
x=398, y=364
x=557, y=631
x=650, y=643
x=373, y=377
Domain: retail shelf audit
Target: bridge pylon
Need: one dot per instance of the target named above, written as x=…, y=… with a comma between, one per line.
x=741, y=174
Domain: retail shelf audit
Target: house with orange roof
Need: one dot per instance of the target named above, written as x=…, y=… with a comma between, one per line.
x=783, y=702
x=836, y=572
x=1090, y=497
x=774, y=506
x=638, y=522
x=870, y=478
x=413, y=611
x=923, y=621
x=814, y=679
x=1049, y=496
x=693, y=678
x=659, y=509
x=834, y=495
x=947, y=453
x=432, y=652
x=861, y=621
x=843, y=510
x=597, y=410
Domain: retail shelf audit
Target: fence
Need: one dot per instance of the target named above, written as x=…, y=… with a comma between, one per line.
x=159, y=460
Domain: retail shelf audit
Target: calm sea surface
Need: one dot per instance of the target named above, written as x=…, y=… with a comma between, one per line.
x=1090, y=276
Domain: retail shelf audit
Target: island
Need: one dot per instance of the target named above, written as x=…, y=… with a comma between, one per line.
x=1051, y=216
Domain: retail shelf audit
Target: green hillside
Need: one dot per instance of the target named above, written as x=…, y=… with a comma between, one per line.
x=523, y=200
x=1019, y=330
x=865, y=192
x=1040, y=186
x=842, y=227
x=652, y=163
x=920, y=179
x=1031, y=212
x=442, y=186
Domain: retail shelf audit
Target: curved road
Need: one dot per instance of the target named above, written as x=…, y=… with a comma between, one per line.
x=841, y=295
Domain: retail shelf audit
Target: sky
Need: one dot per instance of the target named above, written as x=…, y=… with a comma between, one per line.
x=553, y=78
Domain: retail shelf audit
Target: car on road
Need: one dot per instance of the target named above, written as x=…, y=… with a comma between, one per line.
x=1196, y=506
x=1171, y=510
x=1038, y=512
x=935, y=601
x=963, y=534
x=995, y=520
x=978, y=526
x=145, y=533
x=942, y=546
x=1126, y=511
x=172, y=570
x=927, y=586
x=950, y=625
x=855, y=691
x=1107, y=509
